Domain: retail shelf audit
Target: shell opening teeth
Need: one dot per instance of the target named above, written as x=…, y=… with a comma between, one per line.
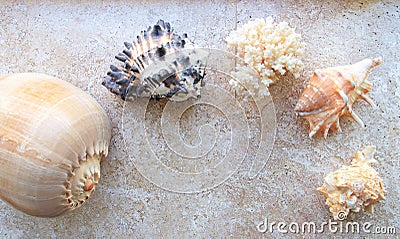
x=89, y=184
x=84, y=182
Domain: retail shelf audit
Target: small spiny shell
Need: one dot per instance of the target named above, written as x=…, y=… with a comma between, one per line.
x=52, y=138
x=332, y=91
x=353, y=188
x=179, y=78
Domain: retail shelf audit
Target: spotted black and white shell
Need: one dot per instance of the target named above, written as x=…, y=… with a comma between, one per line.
x=158, y=64
x=332, y=91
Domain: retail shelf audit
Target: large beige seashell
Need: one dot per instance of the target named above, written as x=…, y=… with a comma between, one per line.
x=332, y=91
x=353, y=188
x=52, y=138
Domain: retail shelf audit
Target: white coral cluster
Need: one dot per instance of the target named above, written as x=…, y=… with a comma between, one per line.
x=353, y=188
x=269, y=49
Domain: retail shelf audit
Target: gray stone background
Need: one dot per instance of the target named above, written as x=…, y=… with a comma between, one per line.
x=77, y=40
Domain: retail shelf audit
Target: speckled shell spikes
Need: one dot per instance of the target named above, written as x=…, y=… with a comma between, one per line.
x=332, y=91
x=183, y=76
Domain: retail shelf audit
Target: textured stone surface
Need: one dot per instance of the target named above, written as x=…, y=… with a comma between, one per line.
x=76, y=41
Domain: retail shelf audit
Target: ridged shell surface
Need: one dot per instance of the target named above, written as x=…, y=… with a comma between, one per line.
x=52, y=138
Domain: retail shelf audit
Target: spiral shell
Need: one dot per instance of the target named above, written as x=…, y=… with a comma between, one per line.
x=353, y=188
x=178, y=78
x=52, y=138
x=332, y=91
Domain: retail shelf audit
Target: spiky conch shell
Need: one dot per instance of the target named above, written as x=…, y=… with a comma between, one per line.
x=52, y=138
x=178, y=78
x=332, y=91
x=353, y=188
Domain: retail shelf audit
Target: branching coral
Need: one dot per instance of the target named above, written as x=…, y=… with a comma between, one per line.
x=268, y=49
